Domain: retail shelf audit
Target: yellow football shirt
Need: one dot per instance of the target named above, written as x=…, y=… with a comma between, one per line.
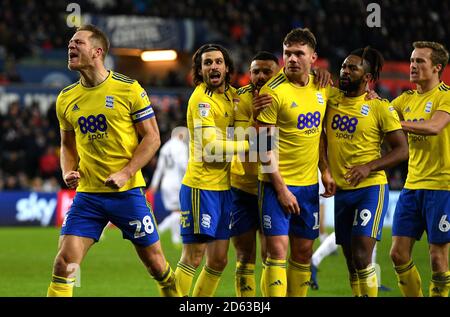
x=244, y=173
x=209, y=115
x=103, y=119
x=429, y=156
x=298, y=114
x=355, y=130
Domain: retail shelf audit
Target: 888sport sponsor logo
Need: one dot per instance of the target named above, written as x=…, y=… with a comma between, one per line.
x=96, y=126
x=345, y=126
x=309, y=121
x=414, y=138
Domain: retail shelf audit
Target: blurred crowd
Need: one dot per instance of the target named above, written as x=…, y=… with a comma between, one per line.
x=28, y=26
x=29, y=142
x=29, y=139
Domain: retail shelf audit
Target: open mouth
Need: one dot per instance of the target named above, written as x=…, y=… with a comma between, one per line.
x=72, y=56
x=214, y=77
x=259, y=85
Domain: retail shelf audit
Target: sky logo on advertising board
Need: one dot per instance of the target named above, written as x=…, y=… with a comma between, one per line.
x=33, y=208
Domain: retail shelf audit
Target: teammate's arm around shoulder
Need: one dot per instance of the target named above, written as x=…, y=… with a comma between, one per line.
x=434, y=126
x=322, y=77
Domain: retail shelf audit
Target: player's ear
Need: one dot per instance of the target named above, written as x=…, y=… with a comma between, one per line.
x=313, y=58
x=368, y=77
x=98, y=52
x=437, y=68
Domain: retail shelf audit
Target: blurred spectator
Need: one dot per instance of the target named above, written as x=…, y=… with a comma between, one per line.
x=36, y=184
x=11, y=73
x=51, y=185
x=23, y=180
x=28, y=141
x=49, y=163
x=12, y=183
x=174, y=79
x=14, y=162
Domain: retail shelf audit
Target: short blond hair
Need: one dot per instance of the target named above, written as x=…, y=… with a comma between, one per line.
x=439, y=54
x=97, y=35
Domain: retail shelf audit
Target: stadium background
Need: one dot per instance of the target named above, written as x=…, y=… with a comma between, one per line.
x=33, y=60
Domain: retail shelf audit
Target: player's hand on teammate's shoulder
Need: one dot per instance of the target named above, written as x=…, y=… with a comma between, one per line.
x=260, y=102
x=72, y=179
x=118, y=180
x=322, y=77
x=371, y=94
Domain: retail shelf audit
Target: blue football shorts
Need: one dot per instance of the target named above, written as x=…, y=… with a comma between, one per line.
x=128, y=210
x=275, y=221
x=205, y=214
x=244, y=212
x=360, y=212
x=423, y=210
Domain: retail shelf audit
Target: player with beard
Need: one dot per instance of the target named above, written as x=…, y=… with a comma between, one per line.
x=205, y=195
x=244, y=178
x=356, y=128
